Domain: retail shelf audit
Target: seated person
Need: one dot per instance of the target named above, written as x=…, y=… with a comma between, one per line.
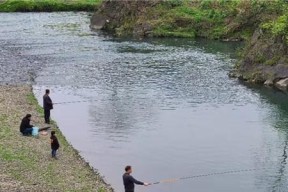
x=25, y=127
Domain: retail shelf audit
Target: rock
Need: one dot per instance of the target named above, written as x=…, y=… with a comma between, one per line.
x=142, y=30
x=234, y=74
x=268, y=82
x=124, y=17
x=256, y=35
x=98, y=21
x=282, y=84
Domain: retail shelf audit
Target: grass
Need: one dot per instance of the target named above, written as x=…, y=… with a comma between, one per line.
x=33, y=101
x=48, y=5
x=213, y=19
x=26, y=164
x=278, y=26
x=189, y=21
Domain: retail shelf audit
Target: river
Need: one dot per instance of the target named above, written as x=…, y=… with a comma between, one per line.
x=164, y=106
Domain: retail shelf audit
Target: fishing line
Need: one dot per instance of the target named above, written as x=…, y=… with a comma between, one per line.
x=172, y=180
x=80, y=101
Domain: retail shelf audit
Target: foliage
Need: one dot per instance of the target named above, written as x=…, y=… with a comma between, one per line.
x=214, y=19
x=278, y=27
x=48, y=5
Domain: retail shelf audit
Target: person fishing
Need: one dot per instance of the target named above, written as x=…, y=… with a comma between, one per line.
x=47, y=105
x=25, y=127
x=129, y=181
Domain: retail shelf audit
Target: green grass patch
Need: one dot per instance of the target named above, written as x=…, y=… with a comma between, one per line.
x=48, y=5
x=213, y=19
x=33, y=101
x=164, y=31
x=206, y=19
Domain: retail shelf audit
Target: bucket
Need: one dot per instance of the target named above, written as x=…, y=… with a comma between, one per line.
x=35, y=131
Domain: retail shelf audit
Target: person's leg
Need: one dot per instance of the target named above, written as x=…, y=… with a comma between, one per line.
x=53, y=153
x=48, y=116
x=45, y=115
x=28, y=131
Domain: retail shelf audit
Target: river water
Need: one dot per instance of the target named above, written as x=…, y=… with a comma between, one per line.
x=165, y=106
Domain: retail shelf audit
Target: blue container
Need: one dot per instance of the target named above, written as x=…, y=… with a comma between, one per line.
x=35, y=131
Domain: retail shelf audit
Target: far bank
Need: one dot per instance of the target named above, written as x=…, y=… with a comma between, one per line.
x=262, y=25
x=48, y=5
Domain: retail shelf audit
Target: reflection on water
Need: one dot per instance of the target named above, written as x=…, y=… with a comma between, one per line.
x=165, y=106
x=278, y=120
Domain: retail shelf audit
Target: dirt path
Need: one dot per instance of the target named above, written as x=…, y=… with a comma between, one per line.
x=25, y=162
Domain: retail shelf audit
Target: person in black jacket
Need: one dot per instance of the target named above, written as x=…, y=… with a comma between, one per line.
x=129, y=181
x=54, y=144
x=47, y=105
x=25, y=127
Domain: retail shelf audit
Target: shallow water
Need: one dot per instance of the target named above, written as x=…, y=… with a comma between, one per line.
x=165, y=106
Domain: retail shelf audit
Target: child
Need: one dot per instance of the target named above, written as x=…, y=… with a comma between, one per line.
x=54, y=144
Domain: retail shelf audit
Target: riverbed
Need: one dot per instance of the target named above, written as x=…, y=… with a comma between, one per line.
x=164, y=106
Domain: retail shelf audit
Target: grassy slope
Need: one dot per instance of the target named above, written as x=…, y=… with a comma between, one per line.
x=26, y=164
x=214, y=19
x=48, y=5
x=263, y=24
x=191, y=19
x=265, y=56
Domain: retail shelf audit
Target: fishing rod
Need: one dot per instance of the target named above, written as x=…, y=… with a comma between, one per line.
x=172, y=180
x=68, y=102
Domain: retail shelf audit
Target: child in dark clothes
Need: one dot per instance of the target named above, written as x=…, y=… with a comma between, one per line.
x=54, y=144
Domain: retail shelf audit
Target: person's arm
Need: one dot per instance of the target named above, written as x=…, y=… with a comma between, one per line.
x=30, y=126
x=50, y=101
x=47, y=100
x=27, y=124
x=57, y=142
x=136, y=181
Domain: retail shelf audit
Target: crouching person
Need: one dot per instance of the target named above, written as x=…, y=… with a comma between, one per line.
x=25, y=127
x=54, y=144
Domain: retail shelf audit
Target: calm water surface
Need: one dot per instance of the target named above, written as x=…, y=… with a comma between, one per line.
x=165, y=106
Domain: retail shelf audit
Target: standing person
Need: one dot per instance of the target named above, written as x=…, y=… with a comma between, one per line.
x=54, y=144
x=47, y=105
x=129, y=181
x=25, y=127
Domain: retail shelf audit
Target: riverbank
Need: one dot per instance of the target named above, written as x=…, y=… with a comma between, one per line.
x=48, y=5
x=26, y=164
x=225, y=20
x=263, y=25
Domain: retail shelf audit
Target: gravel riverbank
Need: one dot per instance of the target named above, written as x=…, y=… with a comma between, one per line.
x=25, y=162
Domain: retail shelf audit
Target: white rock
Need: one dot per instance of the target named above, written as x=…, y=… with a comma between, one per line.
x=282, y=84
x=268, y=82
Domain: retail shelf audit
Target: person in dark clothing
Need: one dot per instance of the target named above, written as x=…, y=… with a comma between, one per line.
x=54, y=144
x=47, y=105
x=25, y=127
x=129, y=181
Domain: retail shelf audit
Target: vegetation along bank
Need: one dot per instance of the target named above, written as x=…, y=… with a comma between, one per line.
x=263, y=25
x=26, y=163
x=48, y=5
